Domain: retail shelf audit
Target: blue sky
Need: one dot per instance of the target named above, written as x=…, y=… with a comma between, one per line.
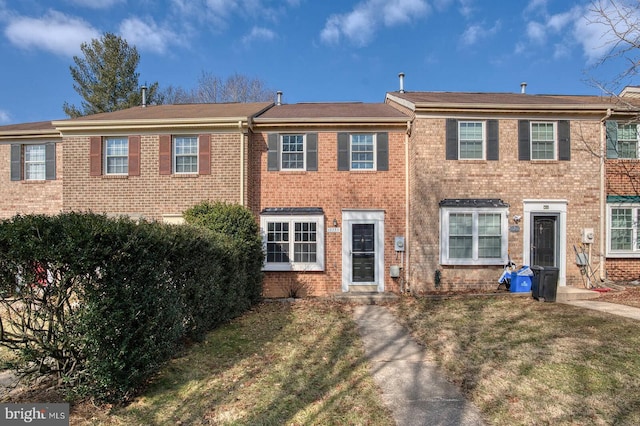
x=312, y=50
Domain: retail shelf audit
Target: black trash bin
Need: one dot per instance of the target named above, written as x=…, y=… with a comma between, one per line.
x=550, y=283
x=537, y=281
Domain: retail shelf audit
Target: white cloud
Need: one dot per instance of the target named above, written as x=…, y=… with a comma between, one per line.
x=4, y=117
x=477, y=32
x=259, y=34
x=54, y=32
x=536, y=32
x=96, y=4
x=358, y=26
x=147, y=35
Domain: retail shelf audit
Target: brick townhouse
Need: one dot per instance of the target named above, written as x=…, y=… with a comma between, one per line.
x=437, y=189
x=30, y=169
x=495, y=176
x=155, y=162
x=328, y=187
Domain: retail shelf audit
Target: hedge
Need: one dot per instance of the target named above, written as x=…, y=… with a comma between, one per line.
x=103, y=302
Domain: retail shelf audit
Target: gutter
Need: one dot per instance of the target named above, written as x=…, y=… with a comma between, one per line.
x=407, y=216
x=603, y=203
x=242, y=168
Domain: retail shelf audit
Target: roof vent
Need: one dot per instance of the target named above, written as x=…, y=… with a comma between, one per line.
x=279, y=98
x=523, y=87
x=401, y=76
x=144, y=96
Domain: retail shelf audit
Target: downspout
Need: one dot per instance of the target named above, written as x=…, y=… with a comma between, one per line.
x=242, y=171
x=406, y=204
x=603, y=201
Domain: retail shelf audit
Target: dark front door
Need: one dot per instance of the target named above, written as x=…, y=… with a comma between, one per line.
x=544, y=240
x=363, y=253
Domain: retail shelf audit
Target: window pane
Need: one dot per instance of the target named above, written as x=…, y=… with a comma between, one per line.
x=186, y=154
x=116, y=156
x=542, y=141
x=304, y=247
x=278, y=242
x=292, y=152
x=621, y=229
x=34, y=162
x=362, y=152
x=470, y=136
x=489, y=235
x=627, y=141
x=460, y=235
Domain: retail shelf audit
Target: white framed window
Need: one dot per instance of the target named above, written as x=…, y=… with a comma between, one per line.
x=473, y=236
x=471, y=140
x=35, y=162
x=622, y=230
x=293, y=152
x=116, y=156
x=543, y=140
x=185, y=154
x=363, y=151
x=627, y=140
x=293, y=242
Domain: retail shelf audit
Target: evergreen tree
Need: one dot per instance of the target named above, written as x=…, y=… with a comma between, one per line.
x=106, y=77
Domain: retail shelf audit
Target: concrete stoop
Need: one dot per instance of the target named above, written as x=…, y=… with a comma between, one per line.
x=365, y=298
x=569, y=294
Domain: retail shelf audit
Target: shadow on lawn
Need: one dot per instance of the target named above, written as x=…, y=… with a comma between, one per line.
x=524, y=361
x=283, y=361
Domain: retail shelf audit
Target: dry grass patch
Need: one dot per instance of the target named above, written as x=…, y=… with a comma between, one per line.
x=527, y=362
x=282, y=363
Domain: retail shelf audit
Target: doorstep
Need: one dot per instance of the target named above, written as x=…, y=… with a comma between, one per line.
x=568, y=294
x=365, y=298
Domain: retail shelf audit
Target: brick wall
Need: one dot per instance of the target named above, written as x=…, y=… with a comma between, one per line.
x=432, y=178
x=333, y=191
x=26, y=197
x=150, y=195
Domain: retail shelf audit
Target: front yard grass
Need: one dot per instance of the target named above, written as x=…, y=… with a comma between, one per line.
x=282, y=363
x=527, y=362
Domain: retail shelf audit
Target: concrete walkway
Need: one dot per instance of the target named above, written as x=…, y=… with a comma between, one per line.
x=610, y=308
x=412, y=386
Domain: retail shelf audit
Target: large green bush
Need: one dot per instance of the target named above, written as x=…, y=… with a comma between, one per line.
x=102, y=302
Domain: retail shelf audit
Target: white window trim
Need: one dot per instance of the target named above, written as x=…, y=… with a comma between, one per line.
x=304, y=152
x=635, y=251
x=637, y=142
x=555, y=140
x=106, y=157
x=318, y=265
x=26, y=163
x=375, y=151
x=475, y=260
x=484, y=140
x=174, y=156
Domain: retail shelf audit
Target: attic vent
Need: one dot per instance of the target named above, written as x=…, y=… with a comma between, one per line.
x=401, y=76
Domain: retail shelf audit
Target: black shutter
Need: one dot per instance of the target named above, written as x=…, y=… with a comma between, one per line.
x=16, y=162
x=452, y=139
x=343, y=151
x=493, y=147
x=50, y=161
x=612, y=139
x=564, y=140
x=312, y=152
x=273, y=156
x=382, y=151
x=524, y=145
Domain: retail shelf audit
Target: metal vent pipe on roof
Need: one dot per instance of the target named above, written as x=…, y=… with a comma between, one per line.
x=279, y=98
x=523, y=87
x=144, y=96
x=401, y=76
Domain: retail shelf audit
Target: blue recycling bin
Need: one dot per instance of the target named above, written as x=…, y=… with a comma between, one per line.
x=521, y=280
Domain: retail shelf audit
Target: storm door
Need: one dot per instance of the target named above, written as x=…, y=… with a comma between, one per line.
x=363, y=253
x=544, y=241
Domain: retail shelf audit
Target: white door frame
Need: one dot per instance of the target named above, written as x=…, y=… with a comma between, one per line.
x=350, y=217
x=542, y=207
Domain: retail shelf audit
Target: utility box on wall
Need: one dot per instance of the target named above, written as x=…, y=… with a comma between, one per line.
x=398, y=243
x=588, y=236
